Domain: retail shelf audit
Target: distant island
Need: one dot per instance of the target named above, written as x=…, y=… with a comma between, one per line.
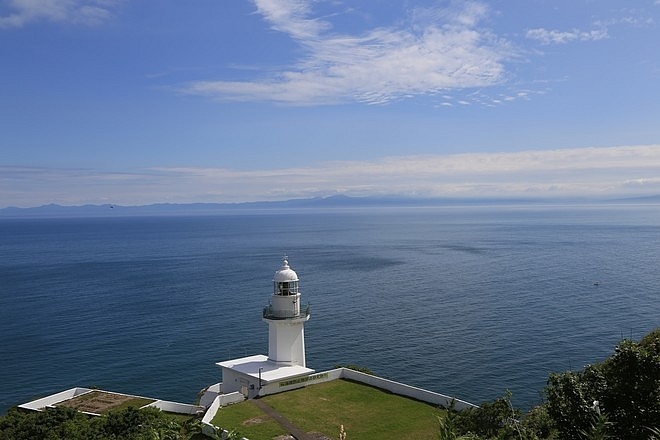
x=336, y=201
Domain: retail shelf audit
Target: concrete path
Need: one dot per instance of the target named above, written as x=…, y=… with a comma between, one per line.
x=298, y=433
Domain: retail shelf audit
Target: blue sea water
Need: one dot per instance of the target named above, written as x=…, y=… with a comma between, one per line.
x=465, y=301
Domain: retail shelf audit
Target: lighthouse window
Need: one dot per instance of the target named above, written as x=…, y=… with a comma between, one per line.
x=286, y=288
x=282, y=288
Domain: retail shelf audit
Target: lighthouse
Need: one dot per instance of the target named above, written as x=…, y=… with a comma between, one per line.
x=286, y=322
x=284, y=368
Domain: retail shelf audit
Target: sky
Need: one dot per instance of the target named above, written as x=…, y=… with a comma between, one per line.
x=136, y=102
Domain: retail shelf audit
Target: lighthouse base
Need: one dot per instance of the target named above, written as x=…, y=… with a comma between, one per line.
x=251, y=375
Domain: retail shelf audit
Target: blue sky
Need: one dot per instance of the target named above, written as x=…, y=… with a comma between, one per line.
x=137, y=102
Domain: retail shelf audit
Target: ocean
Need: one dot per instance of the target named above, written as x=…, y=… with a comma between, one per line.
x=468, y=301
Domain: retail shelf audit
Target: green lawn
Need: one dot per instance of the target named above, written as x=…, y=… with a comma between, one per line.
x=366, y=413
x=248, y=420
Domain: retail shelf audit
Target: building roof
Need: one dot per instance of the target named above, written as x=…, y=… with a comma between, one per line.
x=270, y=371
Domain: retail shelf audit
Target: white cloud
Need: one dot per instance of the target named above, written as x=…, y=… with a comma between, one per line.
x=605, y=172
x=600, y=31
x=290, y=16
x=86, y=12
x=442, y=49
x=546, y=36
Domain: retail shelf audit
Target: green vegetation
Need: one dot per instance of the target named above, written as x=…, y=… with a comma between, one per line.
x=618, y=398
x=137, y=402
x=65, y=423
x=356, y=368
x=366, y=413
x=248, y=420
x=101, y=402
x=496, y=420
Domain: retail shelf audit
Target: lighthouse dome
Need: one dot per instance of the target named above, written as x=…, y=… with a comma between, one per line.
x=285, y=273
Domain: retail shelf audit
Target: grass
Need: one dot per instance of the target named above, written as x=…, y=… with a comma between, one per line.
x=137, y=402
x=366, y=413
x=248, y=420
x=100, y=402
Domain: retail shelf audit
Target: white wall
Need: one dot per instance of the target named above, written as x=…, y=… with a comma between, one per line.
x=54, y=399
x=406, y=390
x=39, y=404
x=286, y=341
x=211, y=411
x=175, y=407
x=209, y=394
x=233, y=381
x=375, y=381
x=218, y=402
x=298, y=382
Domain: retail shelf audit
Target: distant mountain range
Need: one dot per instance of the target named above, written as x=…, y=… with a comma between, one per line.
x=339, y=201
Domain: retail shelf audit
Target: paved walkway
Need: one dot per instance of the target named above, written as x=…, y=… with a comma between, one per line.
x=285, y=423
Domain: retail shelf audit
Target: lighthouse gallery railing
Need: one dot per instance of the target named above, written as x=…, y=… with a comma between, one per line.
x=269, y=313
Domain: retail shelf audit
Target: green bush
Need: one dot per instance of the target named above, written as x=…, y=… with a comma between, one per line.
x=619, y=397
x=62, y=423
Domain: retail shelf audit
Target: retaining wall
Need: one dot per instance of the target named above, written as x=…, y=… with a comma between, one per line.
x=175, y=407
x=209, y=394
x=218, y=402
x=298, y=382
x=39, y=404
x=405, y=390
x=54, y=399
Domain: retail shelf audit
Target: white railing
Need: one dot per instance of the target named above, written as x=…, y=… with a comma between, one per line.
x=269, y=313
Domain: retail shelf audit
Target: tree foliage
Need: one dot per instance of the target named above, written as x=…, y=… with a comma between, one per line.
x=624, y=390
x=62, y=423
x=570, y=404
x=53, y=424
x=496, y=420
x=616, y=399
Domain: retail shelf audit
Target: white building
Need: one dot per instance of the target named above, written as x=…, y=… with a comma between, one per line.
x=284, y=368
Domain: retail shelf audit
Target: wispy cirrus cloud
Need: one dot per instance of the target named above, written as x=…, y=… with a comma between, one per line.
x=291, y=17
x=85, y=12
x=436, y=50
x=551, y=36
x=600, y=29
x=588, y=172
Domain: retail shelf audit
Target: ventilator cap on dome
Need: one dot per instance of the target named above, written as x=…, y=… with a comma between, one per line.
x=285, y=273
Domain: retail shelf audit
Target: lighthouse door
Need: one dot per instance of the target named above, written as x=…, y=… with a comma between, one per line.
x=244, y=388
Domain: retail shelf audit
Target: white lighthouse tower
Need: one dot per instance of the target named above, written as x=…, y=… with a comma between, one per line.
x=284, y=368
x=286, y=333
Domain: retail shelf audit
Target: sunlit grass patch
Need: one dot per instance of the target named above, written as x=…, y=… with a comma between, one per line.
x=248, y=420
x=366, y=413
